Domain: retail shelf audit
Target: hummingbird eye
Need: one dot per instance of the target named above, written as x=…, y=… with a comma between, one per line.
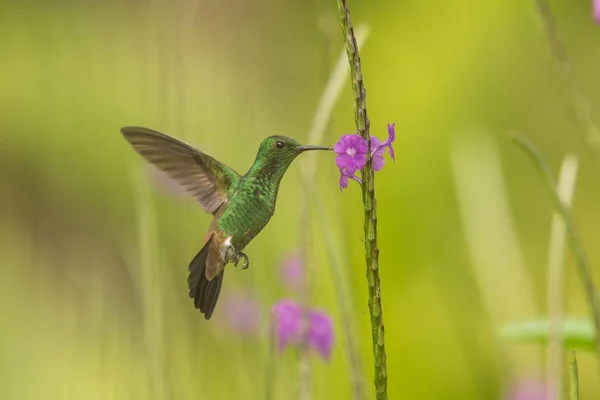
x=279, y=144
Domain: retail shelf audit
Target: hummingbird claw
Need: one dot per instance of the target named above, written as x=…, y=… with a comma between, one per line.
x=230, y=254
x=239, y=256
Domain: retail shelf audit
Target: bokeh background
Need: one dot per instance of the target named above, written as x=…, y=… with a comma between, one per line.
x=94, y=250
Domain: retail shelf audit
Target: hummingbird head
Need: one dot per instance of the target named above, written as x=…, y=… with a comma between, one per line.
x=283, y=149
x=276, y=153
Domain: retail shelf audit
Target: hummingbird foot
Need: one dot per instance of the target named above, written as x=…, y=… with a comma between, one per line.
x=229, y=253
x=239, y=256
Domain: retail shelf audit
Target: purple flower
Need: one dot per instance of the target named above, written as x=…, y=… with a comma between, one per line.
x=293, y=271
x=377, y=153
x=391, y=138
x=288, y=319
x=344, y=178
x=289, y=329
x=320, y=334
x=596, y=6
x=351, y=153
x=242, y=313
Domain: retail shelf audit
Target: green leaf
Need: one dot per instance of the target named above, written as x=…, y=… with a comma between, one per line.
x=578, y=333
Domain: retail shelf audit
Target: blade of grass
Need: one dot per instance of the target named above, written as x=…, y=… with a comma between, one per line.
x=340, y=283
x=496, y=257
x=576, y=333
x=271, y=359
x=556, y=256
x=575, y=242
x=578, y=103
x=574, y=378
x=321, y=118
x=151, y=290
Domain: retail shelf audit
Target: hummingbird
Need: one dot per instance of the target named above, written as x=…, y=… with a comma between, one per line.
x=241, y=205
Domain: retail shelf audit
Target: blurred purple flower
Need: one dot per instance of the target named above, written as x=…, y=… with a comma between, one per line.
x=351, y=153
x=529, y=390
x=292, y=271
x=242, y=313
x=596, y=5
x=288, y=320
x=320, y=334
x=288, y=327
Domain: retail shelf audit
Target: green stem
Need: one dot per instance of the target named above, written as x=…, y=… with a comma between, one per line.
x=151, y=291
x=555, y=292
x=370, y=205
x=578, y=103
x=575, y=242
x=270, y=364
x=344, y=302
x=320, y=121
x=574, y=390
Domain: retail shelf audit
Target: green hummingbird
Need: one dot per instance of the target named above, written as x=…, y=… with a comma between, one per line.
x=241, y=205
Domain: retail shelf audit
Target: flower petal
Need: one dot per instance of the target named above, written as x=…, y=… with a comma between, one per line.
x=320, y=333
x=345, y=175
x=358, y=162
x=391, y=149
x=391, y=138
x=377, y=148
x=243, y=313
x=342, y=144
x=378, y=162
x=392, y=132
x=359, y=143
x=292, y=271
x=288, y=323
x=344, y=161
x=343, y=181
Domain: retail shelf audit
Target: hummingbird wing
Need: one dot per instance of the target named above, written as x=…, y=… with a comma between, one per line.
x=205, y=178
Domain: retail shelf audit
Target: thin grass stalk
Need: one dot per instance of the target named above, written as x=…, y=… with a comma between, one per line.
x=575, y=242
x=578, y=103
x=304, y=381
x=344, y=301
x=574, y=379
x=370, y=204
x=316, y=133
x=150, y=290
x=270, y=365
x=555, y=292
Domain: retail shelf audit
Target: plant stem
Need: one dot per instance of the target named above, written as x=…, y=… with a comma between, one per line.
x=575, y=243
x=555, y=292
x=270, y=365
x=344, y=302
x=574, y=389
x=578, y=102
x=304, y=373
x=370, y=205
x=151, y=291
x=321, y=118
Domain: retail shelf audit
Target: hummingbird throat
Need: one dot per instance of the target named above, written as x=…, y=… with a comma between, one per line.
x=228, y=253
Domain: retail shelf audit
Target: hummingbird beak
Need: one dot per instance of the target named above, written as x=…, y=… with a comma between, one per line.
x=307, y=148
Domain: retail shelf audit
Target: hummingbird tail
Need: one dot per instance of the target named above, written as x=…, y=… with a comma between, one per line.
x=204, y=292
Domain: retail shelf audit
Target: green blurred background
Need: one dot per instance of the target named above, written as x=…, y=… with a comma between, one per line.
x=94, y=255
